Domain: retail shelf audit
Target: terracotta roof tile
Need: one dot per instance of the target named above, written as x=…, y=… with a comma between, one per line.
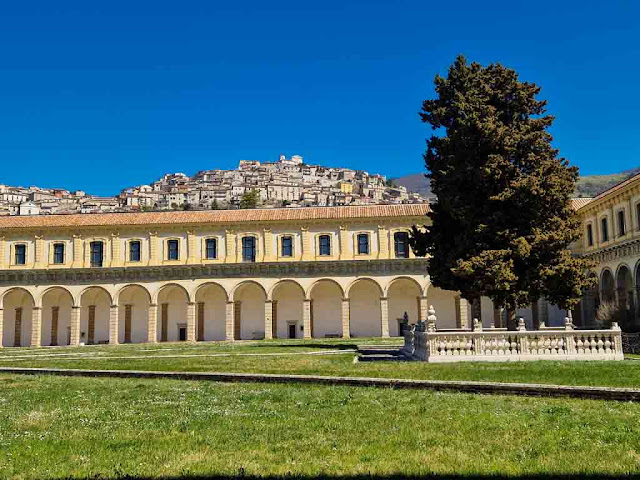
x=578, y=203
x=212, y=216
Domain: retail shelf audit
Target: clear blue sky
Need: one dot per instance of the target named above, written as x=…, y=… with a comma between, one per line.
x=102, y=95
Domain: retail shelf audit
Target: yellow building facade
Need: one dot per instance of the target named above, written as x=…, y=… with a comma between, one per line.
x=215, y=275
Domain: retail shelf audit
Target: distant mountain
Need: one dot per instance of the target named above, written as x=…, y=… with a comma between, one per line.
x=588, y=186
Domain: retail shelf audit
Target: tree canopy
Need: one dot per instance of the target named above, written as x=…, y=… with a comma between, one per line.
x=503, y=220
x=249, y=199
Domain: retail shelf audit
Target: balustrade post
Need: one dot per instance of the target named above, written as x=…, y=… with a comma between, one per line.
x=431, y=319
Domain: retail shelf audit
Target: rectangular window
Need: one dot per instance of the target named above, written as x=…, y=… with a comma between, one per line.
x=638, y=215
x=401, y=244
x=173, y=250
x=590, y=235
x=58, y=253
x=21, y=254
x=363, y=244
x=97, y=253
x=605, y=229
x=134, y=251
x=211, y=248
x=286, y=245
x=248, y=249
x=325, y=244
x=622, y=225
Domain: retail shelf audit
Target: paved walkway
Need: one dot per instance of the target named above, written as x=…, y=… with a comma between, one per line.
x=602, y=393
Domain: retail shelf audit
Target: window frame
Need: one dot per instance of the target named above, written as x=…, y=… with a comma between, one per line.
x=23, y=248
x=320, y=246
x=604, y=229
x=367, y=239
x=589, y=234
x=622, y=223
x=289, y=239
x=254, y=248
x=130, y=258
x=54, y=253
x=406, y=244
x=92, y=262
x=169, y=243
x=214, y=242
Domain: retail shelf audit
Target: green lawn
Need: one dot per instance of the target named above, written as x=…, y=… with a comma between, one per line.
x=299, y=357
x=55, y=427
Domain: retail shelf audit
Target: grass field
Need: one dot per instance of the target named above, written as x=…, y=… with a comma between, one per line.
x=332, y=357
x=56, y=427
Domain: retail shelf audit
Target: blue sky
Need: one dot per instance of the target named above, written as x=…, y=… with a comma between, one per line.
x=102, y=95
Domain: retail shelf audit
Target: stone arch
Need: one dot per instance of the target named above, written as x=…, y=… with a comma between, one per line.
x=326, y=297
x=330, y=280
x=364, y=279
x=398, y=279
x=403, y=299
x=133, y=302
x=173, y=302
x=78, y=300
x=288, y=298
x=365, y=318
x=57, y=304
x=607, y=285
x=165, y=286
x=95, y=303
x=249, y=309
x=211, y=302
x=18, y=304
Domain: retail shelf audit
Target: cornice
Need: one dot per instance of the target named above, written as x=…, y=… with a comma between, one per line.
x=70, y=276
x=614, y=252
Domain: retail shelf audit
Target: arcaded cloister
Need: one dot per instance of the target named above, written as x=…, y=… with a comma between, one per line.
x=219, y=275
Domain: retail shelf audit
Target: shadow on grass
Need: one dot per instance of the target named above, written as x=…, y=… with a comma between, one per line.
x=550, y=476
x=322, y=346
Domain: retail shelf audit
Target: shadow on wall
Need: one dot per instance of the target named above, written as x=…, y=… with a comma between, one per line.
x=241, y=474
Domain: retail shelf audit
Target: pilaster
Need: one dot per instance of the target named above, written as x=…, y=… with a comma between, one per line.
x=113, y=325
x=306, y=319
x=3, y=243
x=116, y=256
x=230, y=242
x=384, y=316
x=345, y=253
x=75, y=326
x=1, y=326
x=307, y=254
x=230, y=321
x=268, y=319
x=36, y=326
x=152, y=324
x=78, y=257
x=39, y=260
x=191, y=322
x=269, y=255
x=191, y=254
x=383, y=242
x=346, y=318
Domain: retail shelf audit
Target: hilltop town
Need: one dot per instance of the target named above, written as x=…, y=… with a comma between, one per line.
x=287, y=182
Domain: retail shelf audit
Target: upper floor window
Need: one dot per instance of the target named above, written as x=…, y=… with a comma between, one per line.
x=622, y=226
x=58, y=253
x=97, y=253
x=590, y=235
x=324, y=242
x=21, y=254
x=211, y=248
x=248, y=249
x=605, y=229
x=286, y=246
x=173, y=250
x=401, y=244
x=363, y=244
x=134, y=251
x=638, y=214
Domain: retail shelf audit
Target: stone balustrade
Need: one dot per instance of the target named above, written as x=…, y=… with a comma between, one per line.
x=500, y=345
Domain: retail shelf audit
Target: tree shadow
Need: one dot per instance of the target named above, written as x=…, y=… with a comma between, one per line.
x=319, y=346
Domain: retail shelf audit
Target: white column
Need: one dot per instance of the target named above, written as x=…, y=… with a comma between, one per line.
x=268, y=320
x=152, y=324
x=384, y=316
x=74, y=325
x=36, y=326
x=229, y=321
x=346, y=317
x=113, y=325
x=191, y=322
x=306, y=318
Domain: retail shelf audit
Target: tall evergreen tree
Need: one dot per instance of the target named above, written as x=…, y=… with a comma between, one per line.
x=503, y=221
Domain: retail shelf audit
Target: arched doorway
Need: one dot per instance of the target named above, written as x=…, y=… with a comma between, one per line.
x=18, y=311
x=607, y=293
x=249, y=301
x=133, y=314
x=288, y=300
x=364, y=308
x=403, y=299
x=57, y=303
x=624, y=288
x=326, y=298
x=172, y=314
x=211, y=301
x=95, y=305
